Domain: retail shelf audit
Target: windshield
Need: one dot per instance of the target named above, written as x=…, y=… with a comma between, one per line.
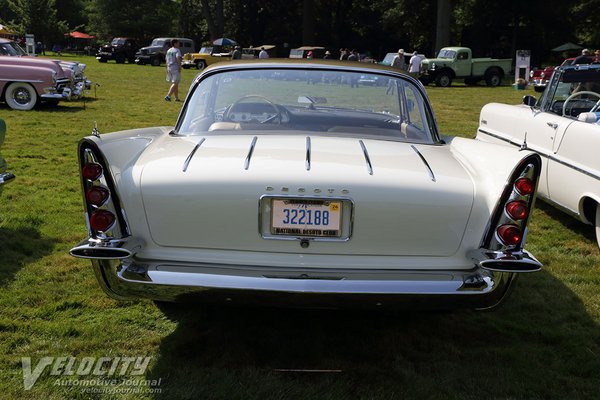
x=11, y=49
x=330, y=102
x=389, y=57
x=446, y=54
x=118, y=41
x=158, y=42
x=572, y=92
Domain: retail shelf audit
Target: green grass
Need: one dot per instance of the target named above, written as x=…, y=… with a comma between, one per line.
x=543, y=344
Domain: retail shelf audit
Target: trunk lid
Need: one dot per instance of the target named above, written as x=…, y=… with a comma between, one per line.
x=214, y=203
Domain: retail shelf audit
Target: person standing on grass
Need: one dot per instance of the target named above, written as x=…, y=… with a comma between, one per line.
x=173, y=59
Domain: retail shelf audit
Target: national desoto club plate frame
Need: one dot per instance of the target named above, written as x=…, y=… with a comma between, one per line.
x=323, y=218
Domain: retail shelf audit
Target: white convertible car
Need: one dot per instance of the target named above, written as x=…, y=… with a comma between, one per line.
x=289, y=183
x=564, y=129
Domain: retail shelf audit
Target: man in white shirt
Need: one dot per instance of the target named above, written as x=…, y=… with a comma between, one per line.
x=414, y=65
x=263, y=53
x=173, y=59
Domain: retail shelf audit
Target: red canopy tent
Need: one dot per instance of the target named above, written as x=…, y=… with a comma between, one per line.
x=79, y=35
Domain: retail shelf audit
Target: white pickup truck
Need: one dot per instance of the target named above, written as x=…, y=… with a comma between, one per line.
x=457, y=62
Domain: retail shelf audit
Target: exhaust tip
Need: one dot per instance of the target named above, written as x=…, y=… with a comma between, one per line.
x=100, y=252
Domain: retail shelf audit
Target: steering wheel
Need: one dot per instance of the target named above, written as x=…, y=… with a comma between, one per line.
x=229, y=111
x=564, y=107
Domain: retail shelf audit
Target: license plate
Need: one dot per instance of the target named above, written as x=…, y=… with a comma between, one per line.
x=304, y=217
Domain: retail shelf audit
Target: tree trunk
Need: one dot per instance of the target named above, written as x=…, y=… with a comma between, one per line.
x=308, y=22
x=442, y=31
x=215, y=23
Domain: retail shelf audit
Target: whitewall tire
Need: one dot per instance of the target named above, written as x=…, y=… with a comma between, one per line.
x=20, y=96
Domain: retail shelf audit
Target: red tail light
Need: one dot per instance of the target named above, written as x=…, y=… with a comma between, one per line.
x=524, y=186
x=97, y=195
x=101, y=202
x=102, y=220
x=508, y=225
x=517, y=210
x=91, y=171
x=510, y=235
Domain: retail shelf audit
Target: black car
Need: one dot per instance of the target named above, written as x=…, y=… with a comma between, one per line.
x=155, y=53
x=119, y=49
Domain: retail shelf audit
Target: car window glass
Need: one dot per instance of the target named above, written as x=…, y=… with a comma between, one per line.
x=328, y=102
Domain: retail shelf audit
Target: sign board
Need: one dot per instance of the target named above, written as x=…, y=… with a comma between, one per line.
x=29, y=44
x=522, y=64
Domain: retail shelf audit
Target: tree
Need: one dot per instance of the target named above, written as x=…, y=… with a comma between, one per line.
x=37, y=17
x=142, y=19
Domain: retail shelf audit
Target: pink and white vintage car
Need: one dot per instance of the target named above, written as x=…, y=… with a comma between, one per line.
x=24, y=80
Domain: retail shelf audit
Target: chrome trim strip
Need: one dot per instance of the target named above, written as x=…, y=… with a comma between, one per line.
x=250, y=151
x=431, y=175
x=547, y=155
x=367, y=158
x=308, y=151
x=578, y=169
x=21, y=80
x=6, y=177
x=498, y=137
x=189, y=158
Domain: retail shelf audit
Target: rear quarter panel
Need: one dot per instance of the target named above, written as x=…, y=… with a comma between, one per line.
x=490, y=166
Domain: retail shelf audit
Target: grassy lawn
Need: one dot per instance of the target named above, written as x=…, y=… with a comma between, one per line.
x=543, y=344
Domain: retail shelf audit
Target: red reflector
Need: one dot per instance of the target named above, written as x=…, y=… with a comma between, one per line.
x=92, y=171
x=517, y=210
x=102, y=220
x=524, y=186
x=510, y=235
x=97, y=195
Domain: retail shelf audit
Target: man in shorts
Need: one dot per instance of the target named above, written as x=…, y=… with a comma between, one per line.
x=173, y=59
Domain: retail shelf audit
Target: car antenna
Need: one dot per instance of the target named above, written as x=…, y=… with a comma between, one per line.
x=524, y=145
x=95, y=131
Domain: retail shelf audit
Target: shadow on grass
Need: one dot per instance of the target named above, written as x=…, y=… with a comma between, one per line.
x=567, y=221
x=66, y=106
x=18, y=247
x=541, y=344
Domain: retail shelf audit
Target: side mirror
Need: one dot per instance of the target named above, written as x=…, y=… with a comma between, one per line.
x=529, y=100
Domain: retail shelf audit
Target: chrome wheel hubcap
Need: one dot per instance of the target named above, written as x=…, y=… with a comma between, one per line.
x=22, y=96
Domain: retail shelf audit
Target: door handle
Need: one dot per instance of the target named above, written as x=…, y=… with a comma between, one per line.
x=552, y=125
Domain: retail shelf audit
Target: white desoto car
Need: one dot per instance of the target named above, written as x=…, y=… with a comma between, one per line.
x=564, y=129
x=288, y=183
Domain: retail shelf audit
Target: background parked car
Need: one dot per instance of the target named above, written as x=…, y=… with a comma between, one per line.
x=155, y=53
x=457, y=62
x=120, y=49
x=539, y=78
x=302, y=52
x=563, y=128
x=25, y=81
x=74, y=69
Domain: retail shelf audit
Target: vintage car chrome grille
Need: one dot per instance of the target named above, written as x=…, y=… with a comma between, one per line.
x=63, y=83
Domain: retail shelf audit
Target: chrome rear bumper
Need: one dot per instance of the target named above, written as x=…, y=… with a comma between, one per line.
x=168, y=281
